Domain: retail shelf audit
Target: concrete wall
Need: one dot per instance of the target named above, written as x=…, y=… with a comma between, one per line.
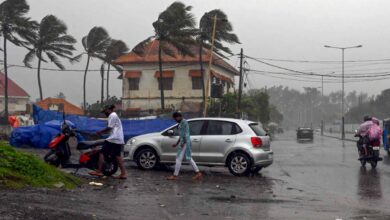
x=15, y=104
x=148, y=95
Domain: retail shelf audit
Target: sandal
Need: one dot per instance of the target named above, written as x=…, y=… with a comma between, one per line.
x=96, y=173
x=173, y=177
x=120, y=177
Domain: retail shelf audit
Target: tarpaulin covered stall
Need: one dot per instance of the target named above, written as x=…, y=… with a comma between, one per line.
x=47, y=125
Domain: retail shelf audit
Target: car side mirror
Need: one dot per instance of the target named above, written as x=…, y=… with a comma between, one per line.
x=170, y=133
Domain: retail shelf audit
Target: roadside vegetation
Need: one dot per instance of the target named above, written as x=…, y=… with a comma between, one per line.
x=20, y=169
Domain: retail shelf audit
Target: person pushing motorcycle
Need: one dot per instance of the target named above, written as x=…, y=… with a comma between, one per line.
x=113, y=145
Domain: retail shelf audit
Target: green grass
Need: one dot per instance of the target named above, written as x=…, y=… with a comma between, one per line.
x=19, y=169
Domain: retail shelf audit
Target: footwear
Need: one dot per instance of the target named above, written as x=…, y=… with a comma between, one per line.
x=96, y=173
x=197, y=176
x=120, y=177
x=173, y=177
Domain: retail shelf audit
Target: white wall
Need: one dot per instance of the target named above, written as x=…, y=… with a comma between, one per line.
x=148, y=95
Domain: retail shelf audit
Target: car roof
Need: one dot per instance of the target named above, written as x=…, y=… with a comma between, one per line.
x=224, y=119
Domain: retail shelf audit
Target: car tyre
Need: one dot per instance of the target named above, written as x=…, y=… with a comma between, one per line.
x=239, y=164
x=147, y=159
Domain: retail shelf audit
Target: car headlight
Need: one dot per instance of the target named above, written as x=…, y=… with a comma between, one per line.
x=131, y=141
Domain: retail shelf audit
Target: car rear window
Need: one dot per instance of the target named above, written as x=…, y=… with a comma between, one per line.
x=259, y=131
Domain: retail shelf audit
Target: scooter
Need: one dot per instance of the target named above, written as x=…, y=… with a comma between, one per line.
x=367, y=152
x=59, y=153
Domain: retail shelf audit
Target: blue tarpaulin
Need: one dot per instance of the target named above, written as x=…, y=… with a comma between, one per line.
x=47, y=125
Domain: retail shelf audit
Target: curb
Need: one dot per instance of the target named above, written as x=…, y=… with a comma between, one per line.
x=346, y=139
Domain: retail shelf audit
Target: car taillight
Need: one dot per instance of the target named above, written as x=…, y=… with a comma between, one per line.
x=256, y=142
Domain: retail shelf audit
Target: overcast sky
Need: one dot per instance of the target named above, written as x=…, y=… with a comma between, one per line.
x=282, y=29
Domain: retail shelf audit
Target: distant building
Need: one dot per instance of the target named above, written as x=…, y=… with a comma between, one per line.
x=18, y=98
x=181, y=75
x=57, y=104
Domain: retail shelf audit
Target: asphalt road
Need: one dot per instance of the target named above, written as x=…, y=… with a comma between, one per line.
x=319, y=180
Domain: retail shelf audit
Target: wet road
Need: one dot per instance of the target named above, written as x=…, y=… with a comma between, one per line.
x=319, y=180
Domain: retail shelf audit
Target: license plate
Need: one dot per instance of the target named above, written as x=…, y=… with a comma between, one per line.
x=375, y=148
x=270, y=156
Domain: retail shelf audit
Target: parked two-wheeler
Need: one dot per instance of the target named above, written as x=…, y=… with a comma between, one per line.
x=367, y=152
x=60, y=153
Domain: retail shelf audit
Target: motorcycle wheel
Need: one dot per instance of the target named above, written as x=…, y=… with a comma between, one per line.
x=110, y=167
x=363, y=162
x=373, y=164
x=52, y=158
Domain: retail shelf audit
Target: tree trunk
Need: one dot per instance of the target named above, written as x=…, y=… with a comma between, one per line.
x=84, y=86
x=6, y=79
x=161, y=81
x=108, y=82
x=102, y=88
x=202, y=72
x=39, y=76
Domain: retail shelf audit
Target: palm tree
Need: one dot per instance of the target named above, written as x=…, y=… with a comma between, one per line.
x=174, y=29
x=15, y=28
x=223, y=33
x=115, y=49
x=95, y=45
x=53, y=41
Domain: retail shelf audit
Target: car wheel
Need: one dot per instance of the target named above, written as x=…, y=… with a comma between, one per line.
x=363, y=162
x=239, y=164
x=147, y=159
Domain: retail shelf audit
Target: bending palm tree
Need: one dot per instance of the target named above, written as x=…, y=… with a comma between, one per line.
x=17, y=29
x=116, y=49
x=95, y=45
x=174, y=29
x=223, y=32
x=53, y=41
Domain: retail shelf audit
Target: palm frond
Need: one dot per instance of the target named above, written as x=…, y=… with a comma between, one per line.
x=29, y=58
x=53, y=58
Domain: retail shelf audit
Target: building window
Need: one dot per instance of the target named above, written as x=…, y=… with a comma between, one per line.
x=196, y=83
x=133, y=83
x=167, y=82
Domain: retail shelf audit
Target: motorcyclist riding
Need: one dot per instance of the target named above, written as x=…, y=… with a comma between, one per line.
x=363, y=133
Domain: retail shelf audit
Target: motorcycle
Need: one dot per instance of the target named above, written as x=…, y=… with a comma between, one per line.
x=60, y=153
x=369, y=153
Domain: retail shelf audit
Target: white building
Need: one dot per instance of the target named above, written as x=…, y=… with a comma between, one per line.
x=17, y=97
x=181, y=75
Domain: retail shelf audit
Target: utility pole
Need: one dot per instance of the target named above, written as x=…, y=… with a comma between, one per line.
x=209, y=67
x=342, y=82
x=240, y=83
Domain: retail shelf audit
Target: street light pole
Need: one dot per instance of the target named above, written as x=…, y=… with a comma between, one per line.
x=342, y=86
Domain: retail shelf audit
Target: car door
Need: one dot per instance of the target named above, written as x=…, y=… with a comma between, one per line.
x=169, y=153
x=218, y=138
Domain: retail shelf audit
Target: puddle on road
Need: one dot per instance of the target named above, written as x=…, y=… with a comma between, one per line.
x=232, y=199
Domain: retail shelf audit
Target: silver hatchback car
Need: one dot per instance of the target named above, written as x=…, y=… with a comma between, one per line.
x=241, y=145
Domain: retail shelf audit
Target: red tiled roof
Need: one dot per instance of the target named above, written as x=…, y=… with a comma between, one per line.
x=151, y=56
x=69, y=108
x=14, y=89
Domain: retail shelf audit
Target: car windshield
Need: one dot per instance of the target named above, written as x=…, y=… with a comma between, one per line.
x=259, y=131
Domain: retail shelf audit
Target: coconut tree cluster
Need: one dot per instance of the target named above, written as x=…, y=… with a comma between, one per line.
x=175, y=28
x=48, y=41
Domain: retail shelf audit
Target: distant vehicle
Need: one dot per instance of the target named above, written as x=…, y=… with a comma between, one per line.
x=305, y=134
x=241, y=145
x=317, y=130
x=280, y=130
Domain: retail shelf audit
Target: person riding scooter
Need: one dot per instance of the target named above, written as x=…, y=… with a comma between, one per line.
x=363, y=133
